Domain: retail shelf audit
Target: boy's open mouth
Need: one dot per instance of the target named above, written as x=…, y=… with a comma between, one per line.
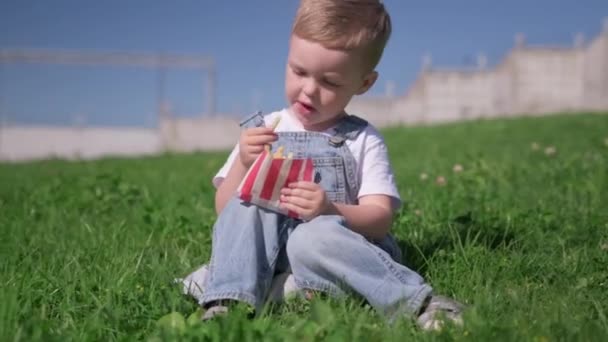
x=304, y=108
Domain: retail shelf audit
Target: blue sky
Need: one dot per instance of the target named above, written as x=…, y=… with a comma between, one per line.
x=248, y=40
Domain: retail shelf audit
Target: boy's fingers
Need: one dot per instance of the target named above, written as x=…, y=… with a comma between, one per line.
x=291, y=207
x=302, y=193
x=304, y=185
x=260, y=131
x=296, y=209
x=297, y=201
x=260, y=139
x=255, y=149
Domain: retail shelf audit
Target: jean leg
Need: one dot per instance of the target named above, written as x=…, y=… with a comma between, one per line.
x=327, y=256
x=245, y=246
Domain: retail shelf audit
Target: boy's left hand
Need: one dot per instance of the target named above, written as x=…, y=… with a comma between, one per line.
x=307, y=199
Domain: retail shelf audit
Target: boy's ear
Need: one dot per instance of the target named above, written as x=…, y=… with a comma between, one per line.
x=368, y=82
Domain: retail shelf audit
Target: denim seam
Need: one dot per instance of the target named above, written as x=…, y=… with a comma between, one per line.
x=326, y=287
x=235, y=295
x=328, y=161
x=302, y=136
x=212, y=259
x=272, y=260
x=337, y=196
x=351, y=179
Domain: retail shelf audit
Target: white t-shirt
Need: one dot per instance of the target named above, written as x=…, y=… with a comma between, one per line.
x=369, y=150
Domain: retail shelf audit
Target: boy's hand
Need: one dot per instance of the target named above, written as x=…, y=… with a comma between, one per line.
x=252, y=141
x=307, y=199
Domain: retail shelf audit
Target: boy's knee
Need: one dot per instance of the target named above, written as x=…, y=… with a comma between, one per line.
x=236, y=204
x=239, y=216
x=236, y=209
x=314, y=241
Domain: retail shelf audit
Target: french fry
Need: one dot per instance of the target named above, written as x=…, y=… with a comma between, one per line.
x=279, y=153
x=275, y=123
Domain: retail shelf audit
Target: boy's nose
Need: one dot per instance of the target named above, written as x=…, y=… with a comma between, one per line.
x=310, y=87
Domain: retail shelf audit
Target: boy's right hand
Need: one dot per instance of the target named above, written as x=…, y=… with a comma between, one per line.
x=252, y=142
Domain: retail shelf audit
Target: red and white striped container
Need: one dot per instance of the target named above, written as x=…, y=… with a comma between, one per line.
x=268, y=175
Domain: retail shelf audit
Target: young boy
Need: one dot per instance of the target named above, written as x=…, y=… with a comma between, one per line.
x=342, y=243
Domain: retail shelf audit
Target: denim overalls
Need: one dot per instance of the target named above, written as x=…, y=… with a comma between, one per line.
x=250, y=244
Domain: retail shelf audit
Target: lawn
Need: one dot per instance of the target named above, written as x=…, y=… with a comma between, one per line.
x=89, y=249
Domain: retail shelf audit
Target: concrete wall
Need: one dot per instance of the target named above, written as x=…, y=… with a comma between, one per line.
x=38, y=142
x=199, y=134
x=182, y=135
x=548, y=80
x=529, y=80
x=596, y=73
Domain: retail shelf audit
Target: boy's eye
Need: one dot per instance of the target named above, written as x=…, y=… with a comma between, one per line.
x=299, y=72
x=331, y=83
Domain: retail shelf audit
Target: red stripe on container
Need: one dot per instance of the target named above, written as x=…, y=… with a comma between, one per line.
x=251, y=176
x=271, y=178
x=308, y=168
x=296, y=166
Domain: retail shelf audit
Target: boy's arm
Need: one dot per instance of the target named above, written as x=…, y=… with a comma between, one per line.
x=378, y=197
x=372, y=217
x=229, y=185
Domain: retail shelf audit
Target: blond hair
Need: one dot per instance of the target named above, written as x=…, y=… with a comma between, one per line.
x=345, y=24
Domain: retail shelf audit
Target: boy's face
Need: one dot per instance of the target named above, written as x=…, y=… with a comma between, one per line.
x=319, y=82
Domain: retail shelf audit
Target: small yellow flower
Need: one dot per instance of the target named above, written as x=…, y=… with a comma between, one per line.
x=535, y=146
x=418, y=212
x=424, y=176
x=551, y=150
x=457, y=168
x=441, y=181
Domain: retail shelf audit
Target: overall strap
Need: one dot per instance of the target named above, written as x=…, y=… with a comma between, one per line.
x=348, y=128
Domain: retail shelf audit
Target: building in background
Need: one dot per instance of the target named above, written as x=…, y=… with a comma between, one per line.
x=530, y=80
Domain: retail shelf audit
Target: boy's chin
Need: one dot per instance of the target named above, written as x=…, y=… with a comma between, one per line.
x=304, y=117
x=316, y=124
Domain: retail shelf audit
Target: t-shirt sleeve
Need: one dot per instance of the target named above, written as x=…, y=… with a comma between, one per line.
x=221, y=174
x=377, y=177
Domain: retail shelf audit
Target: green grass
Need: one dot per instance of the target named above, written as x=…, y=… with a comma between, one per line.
x=88, y=250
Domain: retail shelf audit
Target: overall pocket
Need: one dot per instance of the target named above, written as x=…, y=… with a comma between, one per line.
x=329, y=173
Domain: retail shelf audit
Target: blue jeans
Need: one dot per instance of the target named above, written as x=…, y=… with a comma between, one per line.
x=250, y=244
